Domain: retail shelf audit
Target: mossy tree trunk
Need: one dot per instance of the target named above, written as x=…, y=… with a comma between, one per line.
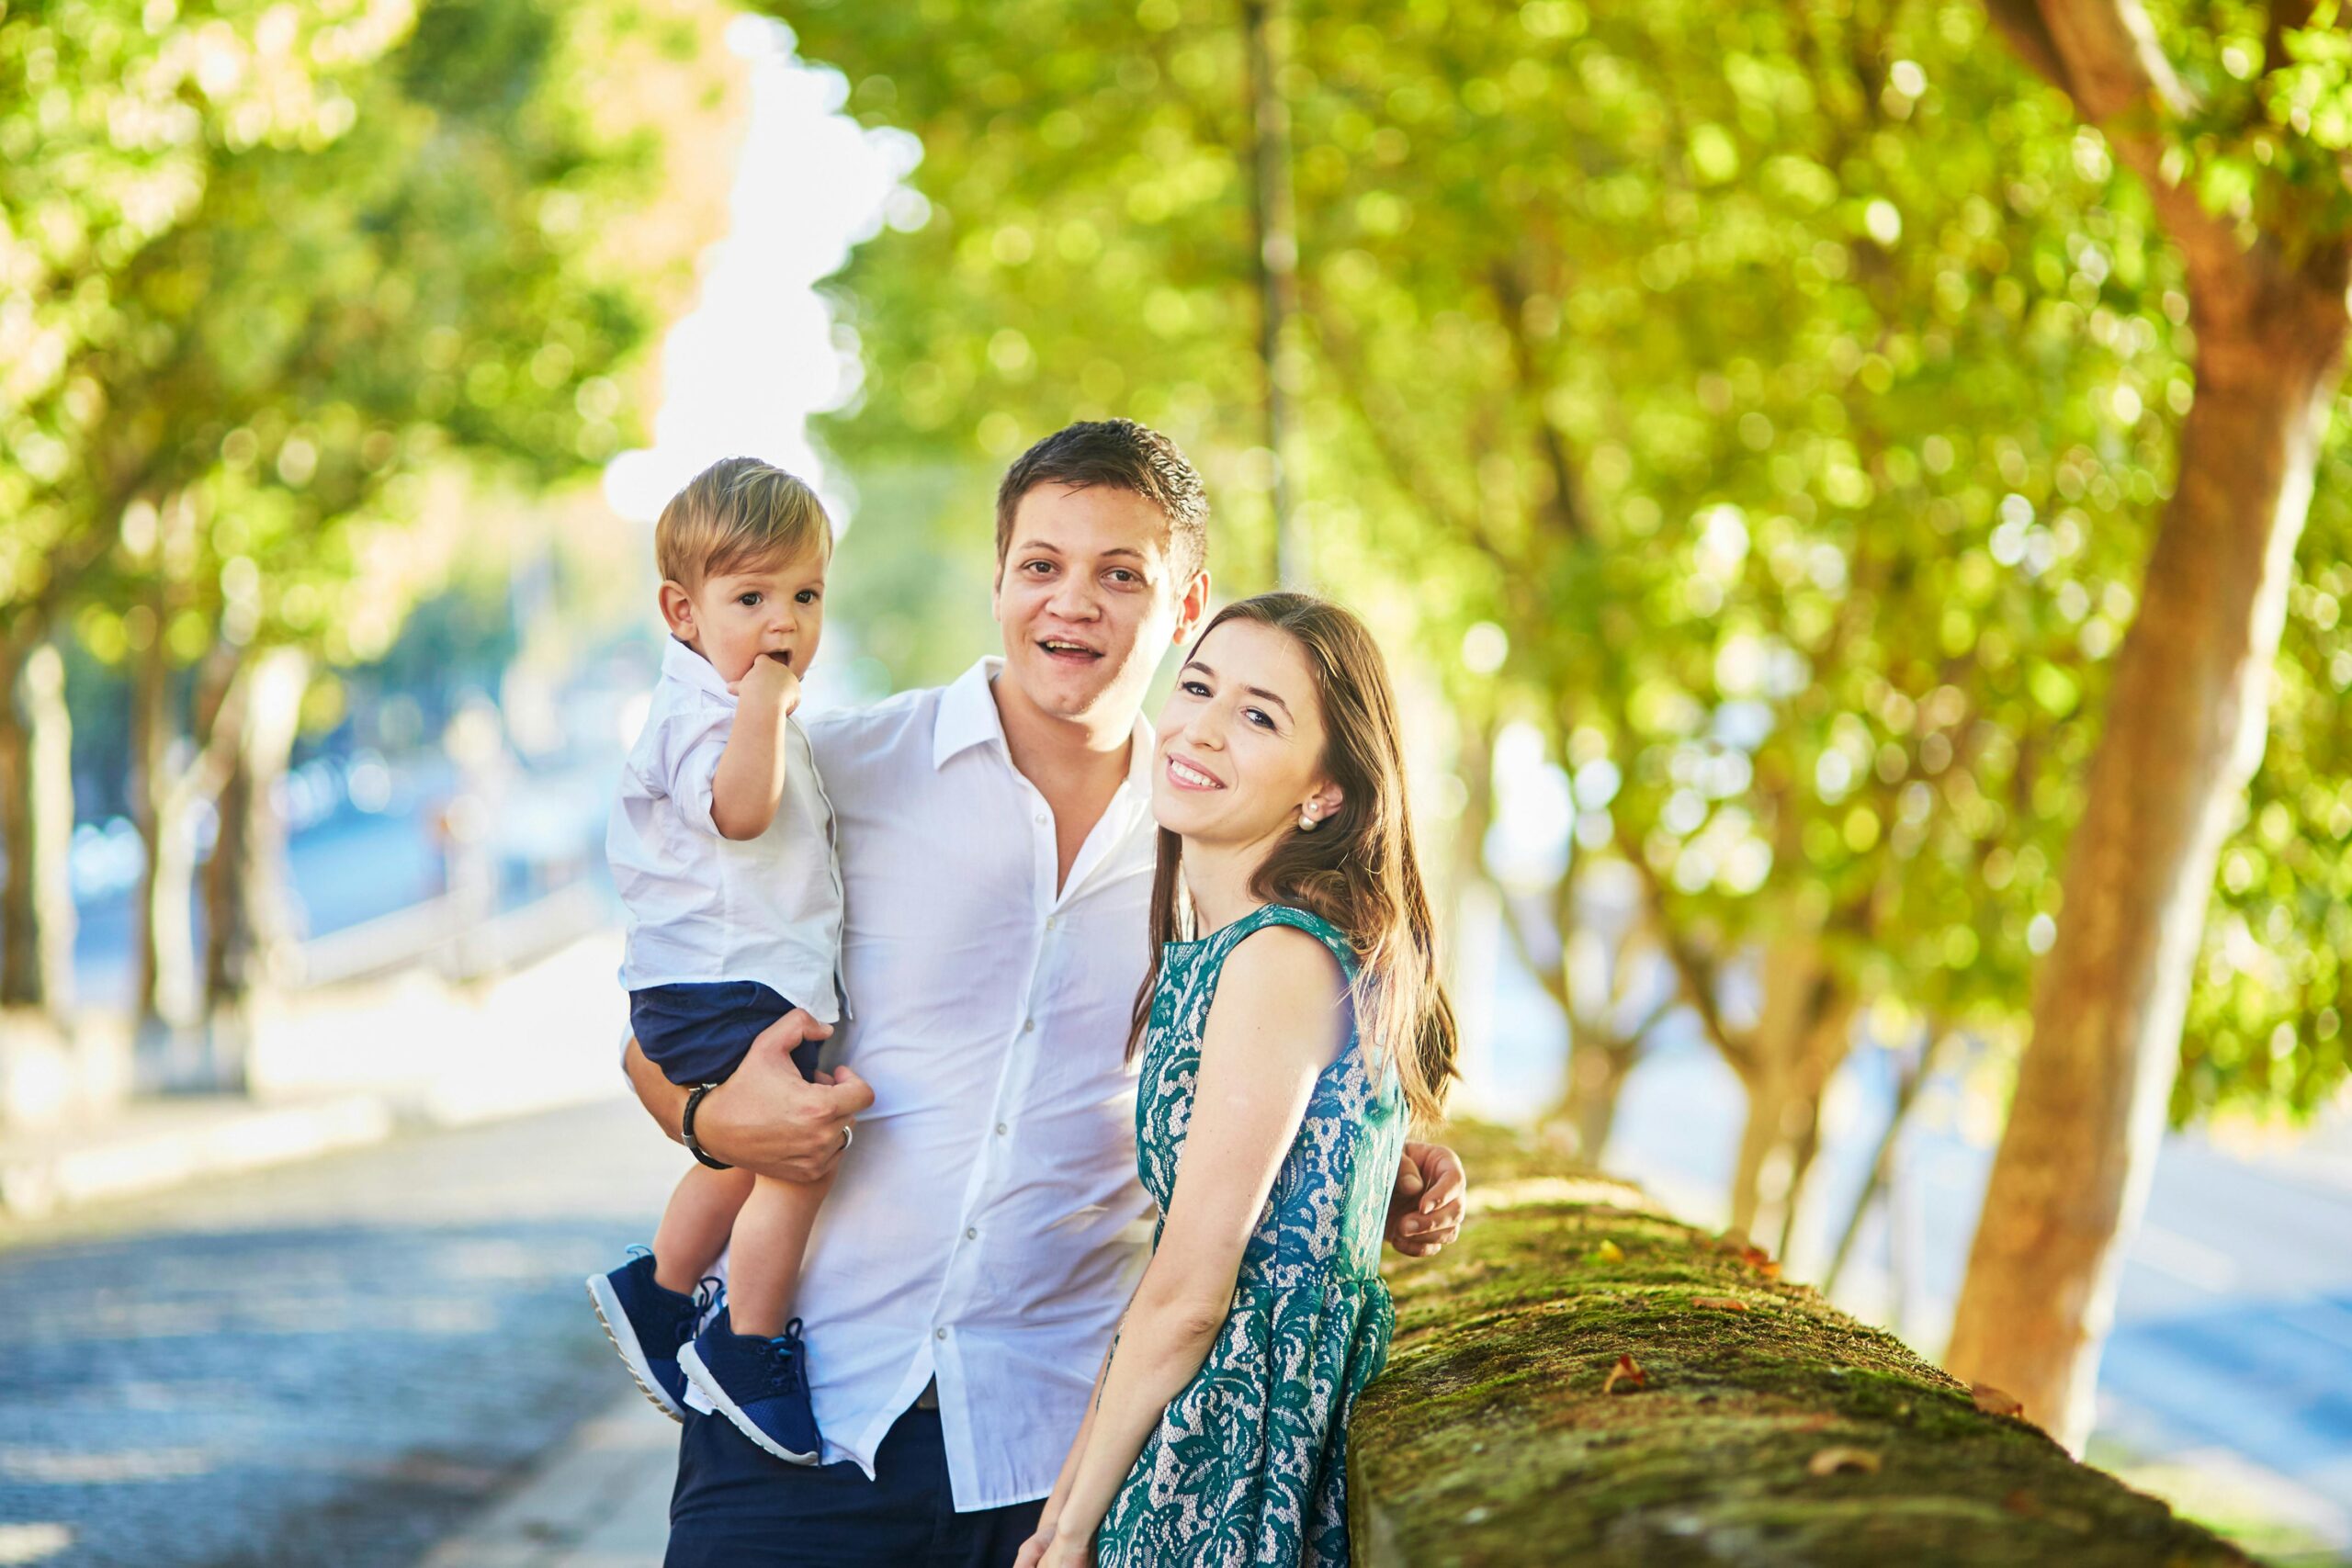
x=1759, y=1426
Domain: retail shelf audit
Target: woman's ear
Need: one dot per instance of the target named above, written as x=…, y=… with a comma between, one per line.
x=1323, y=805
x=678, y=611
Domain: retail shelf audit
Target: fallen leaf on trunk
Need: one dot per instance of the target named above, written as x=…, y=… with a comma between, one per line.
x=1607, y=1252
x=1721, y=1303
x=1628, y=1372
x=1830, y=1462
x=1756, y=1258
x=1993, y=1401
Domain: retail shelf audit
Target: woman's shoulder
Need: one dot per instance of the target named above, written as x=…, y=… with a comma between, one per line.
x=1274, y=947
x=1289, y=932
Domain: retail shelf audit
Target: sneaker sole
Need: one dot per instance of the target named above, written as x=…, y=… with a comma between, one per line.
x=699, y=1375
x=632, y=1353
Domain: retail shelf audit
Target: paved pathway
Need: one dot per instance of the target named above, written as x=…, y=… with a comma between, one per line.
x=334, y=1363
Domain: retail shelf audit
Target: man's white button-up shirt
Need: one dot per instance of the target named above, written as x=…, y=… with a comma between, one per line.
x=987, y=1228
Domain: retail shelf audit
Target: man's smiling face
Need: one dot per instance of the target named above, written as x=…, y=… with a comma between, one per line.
x=1087, y=600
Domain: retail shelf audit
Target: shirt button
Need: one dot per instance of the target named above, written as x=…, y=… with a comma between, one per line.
x=939, y=1333
x=1028, y=1026
x=1049, y=923
x=1041, y=819
x=971, y=1232
x=1001, y=1129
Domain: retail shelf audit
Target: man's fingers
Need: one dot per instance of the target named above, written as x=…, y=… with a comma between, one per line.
x=853, y=1093
x=1410, y=1182
x=1441, y=1171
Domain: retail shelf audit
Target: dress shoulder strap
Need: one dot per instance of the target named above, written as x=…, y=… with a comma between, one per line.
x=1308, y=920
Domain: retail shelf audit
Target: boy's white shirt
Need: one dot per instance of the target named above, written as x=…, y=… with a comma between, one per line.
x=988, y=1228
x=702, y=906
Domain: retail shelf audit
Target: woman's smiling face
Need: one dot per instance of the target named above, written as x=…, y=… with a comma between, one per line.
x=1240, y=742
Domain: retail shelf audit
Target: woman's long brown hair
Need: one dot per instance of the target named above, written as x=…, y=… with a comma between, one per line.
x=1357, y=869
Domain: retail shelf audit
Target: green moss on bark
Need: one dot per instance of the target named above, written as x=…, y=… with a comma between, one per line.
x=1489, y=1441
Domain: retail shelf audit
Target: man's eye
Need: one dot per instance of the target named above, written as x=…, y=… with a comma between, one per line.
x=1124, y=576
x=747, y=599
x=807, y=596
x=1038, y=567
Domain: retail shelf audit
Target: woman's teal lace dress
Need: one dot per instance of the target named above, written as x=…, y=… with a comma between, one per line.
x=1248, y=1465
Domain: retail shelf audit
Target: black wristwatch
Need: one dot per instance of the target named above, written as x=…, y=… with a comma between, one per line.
x=687, y=1129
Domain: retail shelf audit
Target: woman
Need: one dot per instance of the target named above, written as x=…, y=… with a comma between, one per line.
x=1282, y=1050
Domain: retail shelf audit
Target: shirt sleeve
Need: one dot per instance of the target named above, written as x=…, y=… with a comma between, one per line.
x=686, y=761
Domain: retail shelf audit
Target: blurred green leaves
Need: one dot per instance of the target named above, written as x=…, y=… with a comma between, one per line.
x=1791, y=386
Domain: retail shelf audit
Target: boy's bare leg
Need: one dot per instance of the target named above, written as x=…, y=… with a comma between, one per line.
x=771, y=1239
x=695, y=1226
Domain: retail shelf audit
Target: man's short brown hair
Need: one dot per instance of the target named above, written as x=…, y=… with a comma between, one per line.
x=1125, y=455
x=738, y=513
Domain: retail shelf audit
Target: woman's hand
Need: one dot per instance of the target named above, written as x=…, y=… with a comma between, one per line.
x=1425, y=1209
x=1033, y=1551
x=1069, y=1551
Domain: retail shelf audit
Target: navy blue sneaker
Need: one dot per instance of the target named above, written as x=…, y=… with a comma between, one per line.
x=647, y=1322
x=760, y=1385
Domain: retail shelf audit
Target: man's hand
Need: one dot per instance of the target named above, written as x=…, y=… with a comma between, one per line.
x=1425, y=1209
x=766, y=1118
x=1033, y=1551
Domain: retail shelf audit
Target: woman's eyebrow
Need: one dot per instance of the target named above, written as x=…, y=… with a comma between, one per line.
x=1253, y=690
x=1261, y=691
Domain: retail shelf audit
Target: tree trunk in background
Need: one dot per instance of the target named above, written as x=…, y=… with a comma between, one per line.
x=2185, y=728
x=243, y=882
x=150, y=741
x=20, y=974
x=170, y=995
x=1804, y=1002
x=1598, y=1069
x=1275, y=219
x=51, y=787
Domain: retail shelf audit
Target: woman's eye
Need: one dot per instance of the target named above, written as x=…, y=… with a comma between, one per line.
x=1257, y=716
x=1192, y=688
x=1038, y=568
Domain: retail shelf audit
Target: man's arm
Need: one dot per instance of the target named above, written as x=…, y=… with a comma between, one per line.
x=1425, y=1209
x=766, y=1118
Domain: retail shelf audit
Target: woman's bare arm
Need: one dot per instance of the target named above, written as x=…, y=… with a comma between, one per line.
x=1274, y=1026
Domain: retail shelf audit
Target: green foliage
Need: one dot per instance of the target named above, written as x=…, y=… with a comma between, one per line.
x=331, y=323
x=1792, y=386
x=112, y=118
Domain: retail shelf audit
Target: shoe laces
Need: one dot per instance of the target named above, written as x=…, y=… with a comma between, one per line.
x=788, y=1363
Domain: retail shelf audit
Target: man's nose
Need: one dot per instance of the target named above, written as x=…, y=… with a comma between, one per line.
x=1072, y=599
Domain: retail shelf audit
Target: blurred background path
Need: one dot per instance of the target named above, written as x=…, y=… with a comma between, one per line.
x=337, y=1362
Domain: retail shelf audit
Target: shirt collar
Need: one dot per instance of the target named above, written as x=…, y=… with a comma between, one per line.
x=967, y=718
x=680, y=662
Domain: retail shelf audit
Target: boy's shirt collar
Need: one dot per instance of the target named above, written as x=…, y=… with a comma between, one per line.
x=680, y=662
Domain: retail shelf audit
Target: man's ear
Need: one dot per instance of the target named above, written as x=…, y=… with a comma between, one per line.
x=678, y=611
x=1192, y=607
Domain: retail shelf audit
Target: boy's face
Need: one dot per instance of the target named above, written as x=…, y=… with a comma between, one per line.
x=1087, y=599
x=775, y=607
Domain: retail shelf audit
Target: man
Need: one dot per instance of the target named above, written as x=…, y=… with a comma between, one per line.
x=996, y=850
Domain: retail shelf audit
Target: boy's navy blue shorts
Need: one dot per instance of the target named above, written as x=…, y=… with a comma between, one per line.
x=701, y=1034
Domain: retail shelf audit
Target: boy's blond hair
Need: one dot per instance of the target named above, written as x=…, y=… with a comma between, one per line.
x=737, y=513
